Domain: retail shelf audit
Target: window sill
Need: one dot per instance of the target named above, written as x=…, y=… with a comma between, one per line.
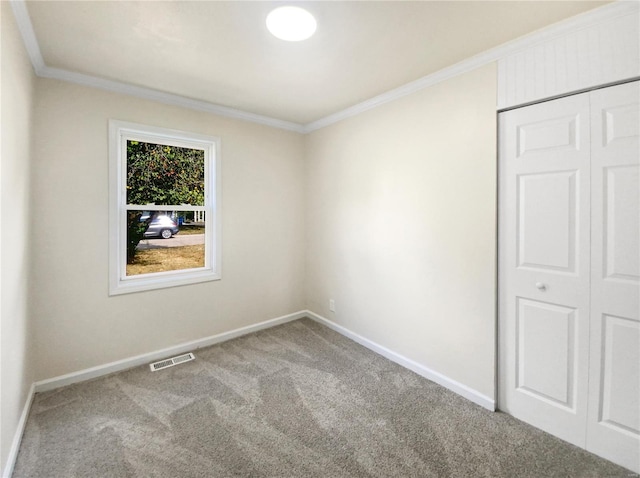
x=145, y=282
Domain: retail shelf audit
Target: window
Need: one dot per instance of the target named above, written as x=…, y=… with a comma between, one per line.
x=164, y=211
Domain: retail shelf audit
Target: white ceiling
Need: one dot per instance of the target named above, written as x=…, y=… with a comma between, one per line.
x=220, y=52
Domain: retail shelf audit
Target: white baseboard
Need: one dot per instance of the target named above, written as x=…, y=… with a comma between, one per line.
x=100, y=370
x=457, y=387
x=17, y=437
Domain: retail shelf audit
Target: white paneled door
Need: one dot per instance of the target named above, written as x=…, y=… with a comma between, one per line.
x=545, y=176
x=569, y=253
x=613, y=428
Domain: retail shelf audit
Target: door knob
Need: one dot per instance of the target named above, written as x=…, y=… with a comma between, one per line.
x=541, y=286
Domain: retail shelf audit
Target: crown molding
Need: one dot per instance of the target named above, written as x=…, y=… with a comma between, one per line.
x=584, y=20
x=578, y=22
x=405, y=90
x=42, y=70
x=25, y=27
x=166, y=98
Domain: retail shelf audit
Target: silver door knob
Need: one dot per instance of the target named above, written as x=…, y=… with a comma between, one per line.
x=541, y=286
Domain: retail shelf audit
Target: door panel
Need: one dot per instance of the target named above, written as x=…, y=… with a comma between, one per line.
x=548, y=135
x=613, y=429
x=621, y=222
x=547, y=202
x=546, y=349
x=620, y=122
x=619, y=384
x=544, y=265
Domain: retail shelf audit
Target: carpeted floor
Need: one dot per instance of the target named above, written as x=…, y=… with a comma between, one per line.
x=298, y=400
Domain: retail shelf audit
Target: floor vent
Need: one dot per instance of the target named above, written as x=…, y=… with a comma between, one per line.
x=171, y=362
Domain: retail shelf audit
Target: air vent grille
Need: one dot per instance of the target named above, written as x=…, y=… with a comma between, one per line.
x=171, y=362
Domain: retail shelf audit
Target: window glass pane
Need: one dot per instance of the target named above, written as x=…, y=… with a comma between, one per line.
x=161, y=174
x=160, y=241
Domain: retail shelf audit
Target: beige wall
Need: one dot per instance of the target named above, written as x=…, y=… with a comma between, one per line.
x=16, y=93
x=401, y=226
x=77, y=324
x=400, y=230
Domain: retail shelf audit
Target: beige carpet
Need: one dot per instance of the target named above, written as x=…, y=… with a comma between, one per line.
x=298, y=400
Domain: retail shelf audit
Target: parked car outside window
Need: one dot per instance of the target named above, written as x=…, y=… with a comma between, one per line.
x=161, y=226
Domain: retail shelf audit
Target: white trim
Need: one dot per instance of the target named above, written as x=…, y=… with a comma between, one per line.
x=457, y=387
x=17, y=437
x=25, y=27
x=166, y=98
x=143, y=359
x=584, y=20
x=587, y=19
x=119, y=365
x=408, y=89
x=119, y=283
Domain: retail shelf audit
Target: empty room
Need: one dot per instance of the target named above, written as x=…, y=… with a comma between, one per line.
x=319, y=239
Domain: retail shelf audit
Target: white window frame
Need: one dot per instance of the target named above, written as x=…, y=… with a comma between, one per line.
x=119, y=133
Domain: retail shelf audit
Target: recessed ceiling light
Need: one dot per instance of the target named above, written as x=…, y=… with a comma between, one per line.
x=291, y=23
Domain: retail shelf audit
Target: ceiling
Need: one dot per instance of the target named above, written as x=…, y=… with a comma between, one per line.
x=221, y=52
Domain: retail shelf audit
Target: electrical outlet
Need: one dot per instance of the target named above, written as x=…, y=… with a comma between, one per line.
x=332, y=305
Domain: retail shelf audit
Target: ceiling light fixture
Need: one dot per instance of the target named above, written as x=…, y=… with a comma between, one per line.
x=291, y=23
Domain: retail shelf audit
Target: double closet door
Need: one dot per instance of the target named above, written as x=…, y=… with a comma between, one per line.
x=569, y=269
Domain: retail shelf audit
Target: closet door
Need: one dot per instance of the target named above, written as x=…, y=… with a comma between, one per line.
x=614, y=377
x=544, y=269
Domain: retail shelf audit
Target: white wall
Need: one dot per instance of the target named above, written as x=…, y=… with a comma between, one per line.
x=16, y=90
x=401, y=226
x=77, y=324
